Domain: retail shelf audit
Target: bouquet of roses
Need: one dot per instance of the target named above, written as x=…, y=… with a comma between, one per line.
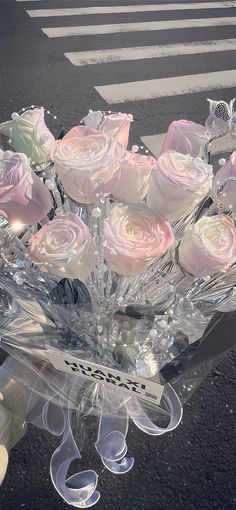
x=112, y=265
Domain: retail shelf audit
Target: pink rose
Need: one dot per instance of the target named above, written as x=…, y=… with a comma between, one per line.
x=209, y=247
x=65, y=247
x=23, y=196
x=186, y=137
x=136, y=171
x=88, y=164
x=116, y=125
x=178, y=184
x=227, y=196
x=134, y=238
x=30, y=135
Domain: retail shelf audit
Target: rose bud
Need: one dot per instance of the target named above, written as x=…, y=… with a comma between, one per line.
x=185, y=137
x=29, y=134
x=116, y=125
x=23, y=196
x=135, y=176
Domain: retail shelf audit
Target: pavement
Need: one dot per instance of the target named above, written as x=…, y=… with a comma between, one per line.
x=69, y=61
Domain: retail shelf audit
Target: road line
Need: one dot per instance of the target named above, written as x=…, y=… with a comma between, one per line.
x=153, y=143
x=79, y=11
x=137, y=27
x=165, y=87
x=82, y=58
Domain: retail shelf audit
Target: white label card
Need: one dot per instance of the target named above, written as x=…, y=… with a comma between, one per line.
x=128, y=383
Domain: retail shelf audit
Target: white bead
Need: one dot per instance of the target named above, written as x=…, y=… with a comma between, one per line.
x=23, y=109
x=55, y=117
x=19, y=281
x=163, y=324
x=96, y=212
x=146, y=151
x=32, y=106
x=218, y=183
x=221, y=161
x=48, y=112
x=8, y=154
x=14, y=115
x=230, y=206
x=153, y=333
x=135, y=148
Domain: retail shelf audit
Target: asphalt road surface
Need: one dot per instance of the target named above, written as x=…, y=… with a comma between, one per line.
x=158, y=61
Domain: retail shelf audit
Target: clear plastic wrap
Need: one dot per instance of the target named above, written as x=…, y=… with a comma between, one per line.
x=100, y=313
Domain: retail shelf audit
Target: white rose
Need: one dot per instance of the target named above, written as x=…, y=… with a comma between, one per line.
x=65, y=246
x=209, y=247
x=178, y=184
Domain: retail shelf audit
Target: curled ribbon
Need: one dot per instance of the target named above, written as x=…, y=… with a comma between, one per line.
x=79, y=490
x=113, y=427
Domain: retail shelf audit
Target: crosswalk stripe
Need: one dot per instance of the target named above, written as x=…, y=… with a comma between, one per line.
x=165, y=87
x=82, y=58
x=78, y=11
x=154, y=143
x=137, y=27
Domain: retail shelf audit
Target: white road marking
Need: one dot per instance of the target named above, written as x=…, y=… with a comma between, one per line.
x=82, y=58
x=79, y=11
x=137, y=27
x=165, y=87
x=154, y=143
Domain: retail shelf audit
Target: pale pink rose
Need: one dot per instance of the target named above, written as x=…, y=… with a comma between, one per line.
x=178, y=184
x=23, y=196
x=65, y=247
x=29, y=134
x=226, y=176
x=88, y=164
x=135, y=176
x=116, y=125
x=209, y=247
x=134, y=237
x=186, y=137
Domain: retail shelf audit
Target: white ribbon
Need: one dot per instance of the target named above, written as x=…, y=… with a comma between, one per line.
x=142, y=420
x=113, y=427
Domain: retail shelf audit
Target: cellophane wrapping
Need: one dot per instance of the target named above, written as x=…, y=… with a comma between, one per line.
x=98, y=291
